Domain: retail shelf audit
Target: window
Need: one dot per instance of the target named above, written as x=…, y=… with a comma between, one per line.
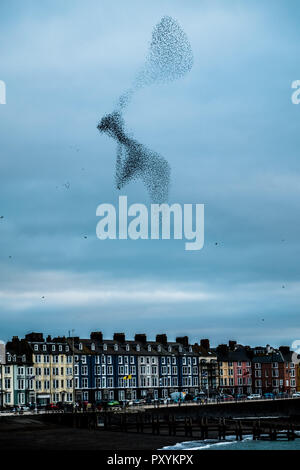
x=80, y=346
x=85, y=383
x=83, y=359
x=127, y=347
x=44, y=347
x=93, y=347
x=110, y=382
x=53, y=347
x=149, y=347
x=7, y=398
x=104, y=347
x=98, y=383
x=116, y=347
x=36, y=348
x=60, y=347
x=7, y=383
x=138, y=348
x=120, y=359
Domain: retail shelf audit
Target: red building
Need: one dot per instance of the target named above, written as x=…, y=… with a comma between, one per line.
x=273, y=371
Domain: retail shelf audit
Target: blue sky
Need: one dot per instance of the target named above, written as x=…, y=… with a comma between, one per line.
x=229, y=131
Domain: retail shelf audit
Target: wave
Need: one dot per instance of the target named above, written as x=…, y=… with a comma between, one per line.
x=205, y=444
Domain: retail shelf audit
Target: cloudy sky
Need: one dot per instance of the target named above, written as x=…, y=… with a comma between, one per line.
x=229, y=131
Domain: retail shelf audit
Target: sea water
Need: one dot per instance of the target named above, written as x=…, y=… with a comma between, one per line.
x=231, y=444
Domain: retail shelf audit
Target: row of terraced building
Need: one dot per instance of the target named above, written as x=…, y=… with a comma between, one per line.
x=42, y=370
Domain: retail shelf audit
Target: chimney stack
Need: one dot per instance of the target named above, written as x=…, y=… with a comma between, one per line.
x=119, y=337
x=205, y=344
x=35, y=337
x=162, y=339
x=140, y=338
x=184, y=340
x=97, y=336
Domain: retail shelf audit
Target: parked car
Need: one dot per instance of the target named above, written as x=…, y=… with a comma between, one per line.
x=228, y=397
x=198, y=399
x=269, y=395
x=240, y=396
x=254, y=396
x=51, y=407
x=113, y=403
x=282, y=395
x=296, y=395
x=137, y=402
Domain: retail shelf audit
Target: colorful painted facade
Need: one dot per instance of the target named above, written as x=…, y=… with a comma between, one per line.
x=38, y=370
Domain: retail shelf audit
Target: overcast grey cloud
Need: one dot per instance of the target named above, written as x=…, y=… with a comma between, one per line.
x=228, y=130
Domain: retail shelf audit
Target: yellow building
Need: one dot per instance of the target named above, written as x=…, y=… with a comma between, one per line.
x=52, y=369
x=226, y=377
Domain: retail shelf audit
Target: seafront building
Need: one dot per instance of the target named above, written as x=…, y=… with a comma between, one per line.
x=38, y=370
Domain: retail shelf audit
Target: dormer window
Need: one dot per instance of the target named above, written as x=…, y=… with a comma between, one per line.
x=93, y=346
x=159, y=348
x=116, y=347
x=190, y=349
x=138, y=347
x=170, y=348
x=127, y=347
x=80, y=346
x=24, y=358
x=14, y=358
x=180, y=349
x=53, y=347
x=104, y=347
x=44, y=347
x=149, y=347
x=36, y=348
x=8, y=357
x=60, y=347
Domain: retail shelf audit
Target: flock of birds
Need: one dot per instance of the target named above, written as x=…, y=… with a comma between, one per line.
x=169, y=58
